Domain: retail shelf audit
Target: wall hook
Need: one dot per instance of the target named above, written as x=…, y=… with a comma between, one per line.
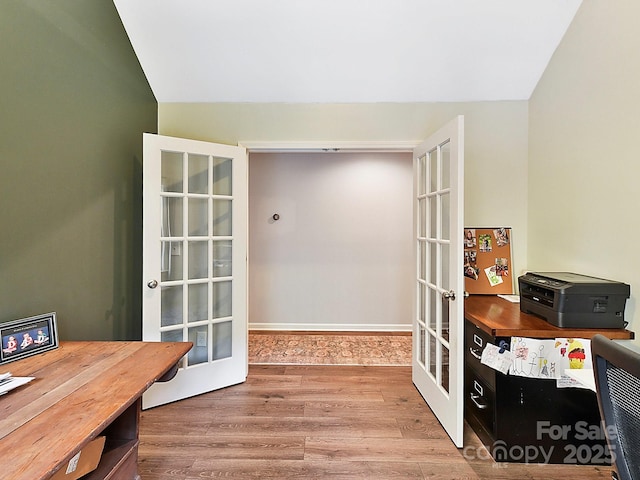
x=275, y=217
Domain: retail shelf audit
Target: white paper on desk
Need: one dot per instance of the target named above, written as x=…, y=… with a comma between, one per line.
x=15, y=382
x=492, y=357
x=510, y=298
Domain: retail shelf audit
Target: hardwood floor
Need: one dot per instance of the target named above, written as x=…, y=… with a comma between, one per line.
x=319, y=422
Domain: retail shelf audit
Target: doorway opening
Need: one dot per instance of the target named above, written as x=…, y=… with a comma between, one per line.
x=330, y=241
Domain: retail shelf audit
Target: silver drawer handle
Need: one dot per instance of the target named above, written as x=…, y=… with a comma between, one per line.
x=474, y=399
x=475, y=353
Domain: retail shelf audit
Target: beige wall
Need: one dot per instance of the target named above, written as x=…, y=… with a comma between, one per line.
x=340, y=256
x=583, y=155
x=495, y=142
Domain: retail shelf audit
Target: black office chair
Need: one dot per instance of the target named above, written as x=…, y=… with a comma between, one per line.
x=617, y=372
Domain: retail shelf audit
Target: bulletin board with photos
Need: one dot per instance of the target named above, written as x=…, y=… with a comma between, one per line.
x=487, y=261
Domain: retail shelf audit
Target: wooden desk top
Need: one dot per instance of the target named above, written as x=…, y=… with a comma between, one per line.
x=79, y=389
x=501, y=318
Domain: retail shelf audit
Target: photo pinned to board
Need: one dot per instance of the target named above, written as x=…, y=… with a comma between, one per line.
x=470, y=238
x=470, y=267
x=502, y=267
x=485, y=243
x=502, y=236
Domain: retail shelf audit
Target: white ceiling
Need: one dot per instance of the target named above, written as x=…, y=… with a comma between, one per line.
x=344, y=50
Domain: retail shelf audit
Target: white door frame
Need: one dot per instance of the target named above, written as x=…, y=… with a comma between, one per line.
x=399, y=146
x=329, y=146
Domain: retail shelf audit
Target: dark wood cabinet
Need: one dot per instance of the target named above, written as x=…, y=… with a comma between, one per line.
x=524, y=419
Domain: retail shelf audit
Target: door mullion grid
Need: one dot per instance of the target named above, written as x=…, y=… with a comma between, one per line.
x=421, y=244
x=210, y=260
x=212, y=237
x=421, y=297
x=422, y=287
x=185, y=247
x=440, y=342
x=439, y=302
x=423, y=293
x=235, y=179
x=432, y=244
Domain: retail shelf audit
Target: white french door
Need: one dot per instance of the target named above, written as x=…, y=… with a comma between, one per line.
x=195, y=261
x=439, y=284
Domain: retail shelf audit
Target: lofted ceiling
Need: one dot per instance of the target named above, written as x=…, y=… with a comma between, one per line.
x=344, y=51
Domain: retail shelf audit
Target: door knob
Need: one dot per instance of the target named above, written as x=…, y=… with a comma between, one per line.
x=450, y=295
x=152, y=284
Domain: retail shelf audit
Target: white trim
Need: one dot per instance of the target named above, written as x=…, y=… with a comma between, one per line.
x=332, y=327
x=329, y=146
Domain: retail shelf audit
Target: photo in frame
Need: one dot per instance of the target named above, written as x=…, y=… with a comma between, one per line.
x=28, y=336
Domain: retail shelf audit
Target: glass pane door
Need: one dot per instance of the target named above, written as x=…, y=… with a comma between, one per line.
x=438, y=320
x=195, y=237
x=196, y=253
x=433, y=259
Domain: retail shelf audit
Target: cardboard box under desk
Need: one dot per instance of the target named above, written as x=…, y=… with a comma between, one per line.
x=85, y=461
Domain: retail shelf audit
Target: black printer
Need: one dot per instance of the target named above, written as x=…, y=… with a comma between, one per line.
x=570, y=300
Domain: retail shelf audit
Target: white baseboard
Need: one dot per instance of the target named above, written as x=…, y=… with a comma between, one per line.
x=330, y=327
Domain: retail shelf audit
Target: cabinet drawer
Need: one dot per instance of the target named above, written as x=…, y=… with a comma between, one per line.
x=475, y=341
x=479, y=399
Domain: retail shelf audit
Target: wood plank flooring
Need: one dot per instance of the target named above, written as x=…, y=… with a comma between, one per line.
x=319, y=422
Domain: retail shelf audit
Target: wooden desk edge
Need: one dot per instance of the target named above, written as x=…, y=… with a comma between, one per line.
x=180, y=352
x=541, y=328
x=173, y=352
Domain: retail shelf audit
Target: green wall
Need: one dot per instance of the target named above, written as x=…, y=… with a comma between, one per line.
x=74, y=105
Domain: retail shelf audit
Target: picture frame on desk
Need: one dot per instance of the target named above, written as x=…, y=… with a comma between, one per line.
x=28, y=336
